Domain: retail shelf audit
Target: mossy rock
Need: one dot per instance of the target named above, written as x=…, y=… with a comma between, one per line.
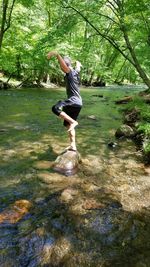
x=125, y=131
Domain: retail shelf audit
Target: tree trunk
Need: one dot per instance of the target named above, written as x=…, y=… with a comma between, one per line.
x=91, y=77
x=48, y=79
x=18, y=66
x=118, y=80
x=4, y=12
x=6, y=18
x=136, y=64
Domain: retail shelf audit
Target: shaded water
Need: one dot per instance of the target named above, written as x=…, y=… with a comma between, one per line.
x=98, y=217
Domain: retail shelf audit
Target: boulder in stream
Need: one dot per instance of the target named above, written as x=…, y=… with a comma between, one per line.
x=67, y=163
x=125, y=131
x=124, y=100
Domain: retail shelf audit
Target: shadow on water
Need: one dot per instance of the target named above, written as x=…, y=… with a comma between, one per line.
x=60, y=231
x=99, y=217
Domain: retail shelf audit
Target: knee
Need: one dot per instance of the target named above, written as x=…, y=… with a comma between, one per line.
x=56, y=110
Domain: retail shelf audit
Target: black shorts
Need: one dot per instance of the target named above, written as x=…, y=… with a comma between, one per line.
x=68, y=107
x=72, y=111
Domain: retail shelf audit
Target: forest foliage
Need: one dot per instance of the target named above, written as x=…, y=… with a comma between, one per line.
x=111, y=38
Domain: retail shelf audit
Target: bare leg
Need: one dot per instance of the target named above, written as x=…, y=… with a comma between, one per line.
x=72, y=136
x=72, y=122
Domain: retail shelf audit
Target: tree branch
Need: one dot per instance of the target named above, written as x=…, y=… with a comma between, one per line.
x=113, y=8
x=108, y=38
x=106, y=17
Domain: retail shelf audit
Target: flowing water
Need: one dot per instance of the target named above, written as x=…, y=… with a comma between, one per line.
x=98, y=217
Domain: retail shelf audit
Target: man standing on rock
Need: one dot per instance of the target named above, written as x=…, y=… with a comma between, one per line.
x=69, y=109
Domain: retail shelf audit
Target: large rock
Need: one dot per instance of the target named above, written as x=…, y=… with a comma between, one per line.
x=67, y=163
x=125, y=131
x=124, y=100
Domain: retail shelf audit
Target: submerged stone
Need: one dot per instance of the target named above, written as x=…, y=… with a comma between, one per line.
x=15, y=212
x=92, y=204
x=68, y=195
x=91, y=117
x=60, y=251
x=43, y=164
x=67, y=163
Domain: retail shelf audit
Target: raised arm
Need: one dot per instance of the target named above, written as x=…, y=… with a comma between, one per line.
x=62, y=63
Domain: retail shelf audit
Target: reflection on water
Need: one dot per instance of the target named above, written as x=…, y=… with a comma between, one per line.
x=100, y=216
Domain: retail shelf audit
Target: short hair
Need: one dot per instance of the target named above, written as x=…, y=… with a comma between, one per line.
x=67, y=60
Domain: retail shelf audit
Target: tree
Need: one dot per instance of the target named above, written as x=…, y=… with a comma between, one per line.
x=6, y=15
x=117, y=14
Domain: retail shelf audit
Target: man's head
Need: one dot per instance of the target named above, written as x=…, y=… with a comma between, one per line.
x=67, y=61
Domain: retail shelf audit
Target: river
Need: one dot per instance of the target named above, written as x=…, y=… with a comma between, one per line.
x=97, y=218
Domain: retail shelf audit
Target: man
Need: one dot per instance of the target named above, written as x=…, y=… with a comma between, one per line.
x=69, y=109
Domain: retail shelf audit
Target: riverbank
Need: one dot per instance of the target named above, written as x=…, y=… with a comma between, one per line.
x=5, y=84
x=137, y=116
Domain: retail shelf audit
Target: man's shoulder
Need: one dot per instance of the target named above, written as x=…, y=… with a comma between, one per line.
x=72, y=72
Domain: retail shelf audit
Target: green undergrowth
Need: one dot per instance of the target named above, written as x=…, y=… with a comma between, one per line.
x=143, y=123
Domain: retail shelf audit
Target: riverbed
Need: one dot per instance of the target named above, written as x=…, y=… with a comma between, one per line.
x=100, y=216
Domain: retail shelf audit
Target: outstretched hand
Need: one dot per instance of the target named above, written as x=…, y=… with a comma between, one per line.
x=51, y=53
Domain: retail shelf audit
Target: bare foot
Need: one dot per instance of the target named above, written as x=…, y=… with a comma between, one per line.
x=72, y=126
x=72, y=148
x=67, y=148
